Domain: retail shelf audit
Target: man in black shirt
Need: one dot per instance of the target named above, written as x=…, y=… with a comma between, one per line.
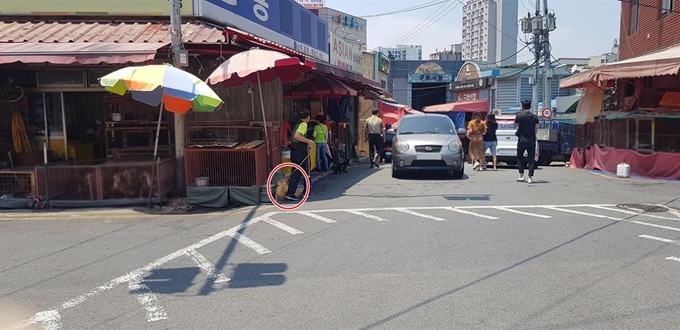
x=527, y=128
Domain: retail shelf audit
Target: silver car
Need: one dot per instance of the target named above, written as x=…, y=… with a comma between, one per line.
x=427, y=142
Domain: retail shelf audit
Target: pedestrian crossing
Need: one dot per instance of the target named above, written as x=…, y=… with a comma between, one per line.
x=287, y=224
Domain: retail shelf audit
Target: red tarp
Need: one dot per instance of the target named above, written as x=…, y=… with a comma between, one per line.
x=470, y=106
x=659, y=165
x=391, y=113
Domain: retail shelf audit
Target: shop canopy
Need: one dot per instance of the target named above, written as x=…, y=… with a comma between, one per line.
x=665, y=62
x=470, y=106
x=319, y=87
x=81, y=53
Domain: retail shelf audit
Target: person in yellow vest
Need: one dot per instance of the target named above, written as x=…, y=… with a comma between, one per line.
x=375, y=134
x=299, y=154
x=321, y=140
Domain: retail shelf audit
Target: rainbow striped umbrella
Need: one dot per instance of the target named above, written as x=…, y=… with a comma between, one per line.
x=164, y=84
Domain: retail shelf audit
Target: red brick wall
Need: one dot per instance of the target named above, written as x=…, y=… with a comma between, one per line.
x=649, y=37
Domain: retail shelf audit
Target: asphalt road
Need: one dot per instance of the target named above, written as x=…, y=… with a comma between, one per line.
x=367, y=252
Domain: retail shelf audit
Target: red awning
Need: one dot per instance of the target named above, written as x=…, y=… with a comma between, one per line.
x=82, y=53
x=471, y=106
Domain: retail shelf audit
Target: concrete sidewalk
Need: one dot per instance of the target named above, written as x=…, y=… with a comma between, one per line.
x=139, y=212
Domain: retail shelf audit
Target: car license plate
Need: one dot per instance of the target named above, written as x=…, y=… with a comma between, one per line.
x=428, y=156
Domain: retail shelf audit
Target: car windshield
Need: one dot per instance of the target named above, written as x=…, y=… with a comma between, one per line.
x=426, y=125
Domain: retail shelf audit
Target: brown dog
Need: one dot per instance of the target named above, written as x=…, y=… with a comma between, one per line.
x=282, y=187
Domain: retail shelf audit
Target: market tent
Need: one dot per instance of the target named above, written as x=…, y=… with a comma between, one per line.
x=457, y=110
x=319, y=87
x=469, y=106
x=665, y=62
x=391, y=113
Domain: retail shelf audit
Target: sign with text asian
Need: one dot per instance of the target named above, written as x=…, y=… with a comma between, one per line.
x=91, y=8
x=345, y=56
x=281, y=21
x=312, y=4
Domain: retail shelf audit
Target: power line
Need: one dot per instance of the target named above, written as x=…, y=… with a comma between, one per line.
x=419, y=25
x=406, y=10
x=443, y=14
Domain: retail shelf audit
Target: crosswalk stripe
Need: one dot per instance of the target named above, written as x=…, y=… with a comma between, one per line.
x=455, y=209
x=507, y=209
x=417, y=214
x=316, y=216
x=147, y=299
x=207, y=267
x=615, y=219
x=673, y=259
x=366, y=215
x=634, y=213
x=583, y=213
x=654, y=238
x=249, y=243
x=281, y=226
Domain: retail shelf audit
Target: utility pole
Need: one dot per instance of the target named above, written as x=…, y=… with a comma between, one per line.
x=536, y=29
x=540, y=26
x=548, y=25
x=180, y=59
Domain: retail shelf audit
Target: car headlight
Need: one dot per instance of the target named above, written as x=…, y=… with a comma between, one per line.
x=455, y=146
x=401, y=146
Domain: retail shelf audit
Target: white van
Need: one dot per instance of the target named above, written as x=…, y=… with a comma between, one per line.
x=506, y=152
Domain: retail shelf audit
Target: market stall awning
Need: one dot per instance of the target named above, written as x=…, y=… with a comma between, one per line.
x=320, y=86
x=470, y=106
x=82, y=53
x=579, y=80
x=665, y=62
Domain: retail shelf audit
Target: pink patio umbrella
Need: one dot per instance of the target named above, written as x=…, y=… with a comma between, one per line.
x=257, y=66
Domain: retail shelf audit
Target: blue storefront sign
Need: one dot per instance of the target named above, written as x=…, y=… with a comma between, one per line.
x=282, y=21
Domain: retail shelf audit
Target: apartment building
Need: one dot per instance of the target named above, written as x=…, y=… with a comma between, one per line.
x=490, y=31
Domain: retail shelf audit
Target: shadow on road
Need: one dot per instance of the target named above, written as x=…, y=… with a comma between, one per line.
x=333, y=186
x=257, y=275
x=546, y=309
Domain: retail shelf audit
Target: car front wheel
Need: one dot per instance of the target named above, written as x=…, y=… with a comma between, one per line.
x=458, y=174
x=397, y=174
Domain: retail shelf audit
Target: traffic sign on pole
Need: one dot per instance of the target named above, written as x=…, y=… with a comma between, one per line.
x=547, y=113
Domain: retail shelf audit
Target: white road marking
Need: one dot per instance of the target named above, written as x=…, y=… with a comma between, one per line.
x=418, y=214
x=250, y=243
x=507, y=209
x=316, y=216
x=281, y=226
x=654, y=238
x=673, y=259
x=48, y=320
x=373, y=209
x=456, y=209
x=583, y=213
x=674, y=212
x=633, y=213
x=36, y=319
x=207, y=267
x=615, y=219
x=147, y=299
x=366, y=215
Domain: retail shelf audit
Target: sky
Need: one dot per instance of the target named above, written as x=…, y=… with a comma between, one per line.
x=584, y=27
